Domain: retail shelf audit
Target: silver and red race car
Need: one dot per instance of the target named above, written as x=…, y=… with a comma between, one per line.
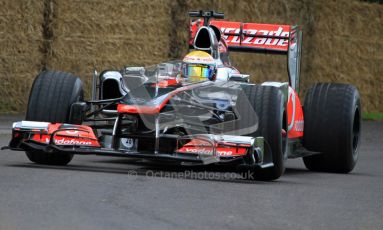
x=157, y=113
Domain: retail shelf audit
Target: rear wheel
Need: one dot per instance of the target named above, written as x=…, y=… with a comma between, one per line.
x=50, y=99
x=332, y=127
x=267, y=103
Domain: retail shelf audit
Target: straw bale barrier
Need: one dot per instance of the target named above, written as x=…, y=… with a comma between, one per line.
x=342, y=40
x=20, y=51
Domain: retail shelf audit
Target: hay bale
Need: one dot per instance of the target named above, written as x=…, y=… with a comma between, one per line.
x=108, y=35
x=341, y=40
x=347, y=48
x=20, y=56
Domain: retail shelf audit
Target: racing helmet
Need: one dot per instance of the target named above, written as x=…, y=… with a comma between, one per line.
x=198, y=66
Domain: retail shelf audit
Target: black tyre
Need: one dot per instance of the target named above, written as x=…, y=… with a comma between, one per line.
x=50, y=99
x=332, y=115
x=268, y=104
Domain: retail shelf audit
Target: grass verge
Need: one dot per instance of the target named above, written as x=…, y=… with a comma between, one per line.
x=373, y=116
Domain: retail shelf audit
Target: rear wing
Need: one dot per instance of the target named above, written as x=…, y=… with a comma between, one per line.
x=249, y=37
x=257, y=38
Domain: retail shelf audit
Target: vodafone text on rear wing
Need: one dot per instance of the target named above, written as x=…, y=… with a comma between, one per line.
x=258, y=38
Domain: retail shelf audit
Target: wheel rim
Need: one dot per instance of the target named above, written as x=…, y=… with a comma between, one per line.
x=355, y=133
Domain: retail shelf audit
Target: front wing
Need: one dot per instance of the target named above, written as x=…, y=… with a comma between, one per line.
x=201, y=149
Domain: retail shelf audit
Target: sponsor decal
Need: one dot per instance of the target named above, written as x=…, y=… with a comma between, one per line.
x=203, y=151
x=201, y=59
x=209, y=151
x=66, y=137
x=202, y=147
x=225, y=153
x=298, y=126
x=72, y=141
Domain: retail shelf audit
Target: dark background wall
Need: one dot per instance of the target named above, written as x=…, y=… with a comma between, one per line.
x=342, y=40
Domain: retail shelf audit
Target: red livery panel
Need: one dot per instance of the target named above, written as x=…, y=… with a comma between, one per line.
x=294, y=115
x=76, y=135
x=201, y=147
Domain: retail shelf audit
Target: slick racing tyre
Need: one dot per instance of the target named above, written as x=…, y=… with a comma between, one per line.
x=50, y=99
x=332, y=114
x=268, y=104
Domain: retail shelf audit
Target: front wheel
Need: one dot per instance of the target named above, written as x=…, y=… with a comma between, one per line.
x=268, y=105
x=50, y=99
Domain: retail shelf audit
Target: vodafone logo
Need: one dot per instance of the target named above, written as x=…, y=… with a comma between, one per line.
x=199, y=151
x=72, y=141
x=208, y=151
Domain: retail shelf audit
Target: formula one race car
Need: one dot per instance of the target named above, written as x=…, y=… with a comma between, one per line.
x=197, y=111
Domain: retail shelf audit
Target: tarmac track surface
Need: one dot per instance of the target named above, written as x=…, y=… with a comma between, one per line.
x=95, y=192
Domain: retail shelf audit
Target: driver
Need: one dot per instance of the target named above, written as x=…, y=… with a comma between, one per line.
x=198, y=66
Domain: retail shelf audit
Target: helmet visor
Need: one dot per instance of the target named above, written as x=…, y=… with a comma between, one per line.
x=198, y=71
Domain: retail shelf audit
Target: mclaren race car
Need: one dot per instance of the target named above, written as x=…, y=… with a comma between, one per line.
x=199, y=110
